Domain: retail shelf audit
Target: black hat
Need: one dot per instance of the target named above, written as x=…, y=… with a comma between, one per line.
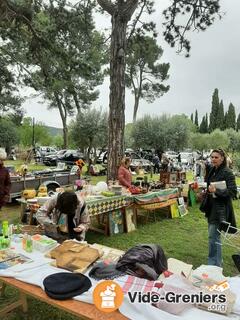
x=65, y=285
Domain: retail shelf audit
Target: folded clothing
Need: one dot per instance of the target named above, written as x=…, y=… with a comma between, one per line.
x=66, y=285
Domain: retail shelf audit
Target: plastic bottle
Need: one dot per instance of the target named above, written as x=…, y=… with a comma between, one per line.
x=29, y=247
x=1, y=239
x=24, y=241
x=5, y=242
x=5, y=228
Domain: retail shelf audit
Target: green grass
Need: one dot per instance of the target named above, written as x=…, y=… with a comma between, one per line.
x=183, y=238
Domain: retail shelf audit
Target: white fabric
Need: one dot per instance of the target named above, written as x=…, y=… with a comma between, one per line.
x=234, y=283
x=36, y=271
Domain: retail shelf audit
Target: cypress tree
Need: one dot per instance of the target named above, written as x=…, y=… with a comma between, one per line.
x=220, y=117
x=196, y=119
x=206, y=123
x=231, y=117
x=202, y=125
x=238, y=123
x=214, y=111
x=191, y=117
x=226, y=120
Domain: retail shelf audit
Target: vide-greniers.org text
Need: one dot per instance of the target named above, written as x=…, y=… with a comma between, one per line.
x=172, y=297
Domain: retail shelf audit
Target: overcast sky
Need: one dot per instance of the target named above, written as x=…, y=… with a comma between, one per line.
x=214, y=63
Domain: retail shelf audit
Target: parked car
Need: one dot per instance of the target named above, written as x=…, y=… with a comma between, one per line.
x=51, y=159
x=186, y=158
x=70, y=157
x=136, y=160
x=42, y=151
x=171, y=154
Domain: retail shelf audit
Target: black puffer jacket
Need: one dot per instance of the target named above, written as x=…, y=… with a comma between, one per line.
x=144, y=261
x=220, y=208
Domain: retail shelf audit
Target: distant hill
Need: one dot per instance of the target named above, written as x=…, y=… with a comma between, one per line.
x=54, y=131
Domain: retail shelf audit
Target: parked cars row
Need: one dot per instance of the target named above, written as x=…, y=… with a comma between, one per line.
x=136, y=160
x=67, y=156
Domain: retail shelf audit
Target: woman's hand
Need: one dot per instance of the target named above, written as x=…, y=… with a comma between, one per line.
x=211, y=189
x=78, y=229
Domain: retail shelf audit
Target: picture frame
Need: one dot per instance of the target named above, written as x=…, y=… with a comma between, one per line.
x=173, y=178
x=131, y=220
x=115, y=222
x=182, y=210
x=181, y=201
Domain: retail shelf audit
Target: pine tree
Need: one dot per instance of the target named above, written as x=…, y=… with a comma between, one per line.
x=196, y=118
x=214, y=111
x=238, y=123
x=191, y=117
x=231, y=117
x=220, y=116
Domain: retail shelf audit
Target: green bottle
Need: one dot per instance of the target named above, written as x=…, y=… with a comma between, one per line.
x=1, y=239
x=5, y=242
x=5, y=228
x=29, y=247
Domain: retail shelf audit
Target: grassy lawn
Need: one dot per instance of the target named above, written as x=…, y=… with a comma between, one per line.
x=182, y=238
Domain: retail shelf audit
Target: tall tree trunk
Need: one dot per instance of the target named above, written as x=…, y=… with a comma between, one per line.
x=121, y=12
x=63, y=115
x=117, y=96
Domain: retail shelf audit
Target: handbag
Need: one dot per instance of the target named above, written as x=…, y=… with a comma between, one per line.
x=204, y=206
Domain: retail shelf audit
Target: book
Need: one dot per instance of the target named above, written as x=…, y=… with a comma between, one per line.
x=9, y=258
x=221, y=185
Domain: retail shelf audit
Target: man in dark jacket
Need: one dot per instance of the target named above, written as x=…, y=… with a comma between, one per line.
x=219, y=209
x=5, y=182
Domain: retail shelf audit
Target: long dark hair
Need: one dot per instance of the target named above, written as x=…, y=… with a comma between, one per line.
x=67, y=202
x=223, y=154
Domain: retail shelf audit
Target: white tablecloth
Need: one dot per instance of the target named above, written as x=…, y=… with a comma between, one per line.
x=35, y=272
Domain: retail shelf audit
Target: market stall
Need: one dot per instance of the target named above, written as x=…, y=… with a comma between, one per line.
x=115, y=214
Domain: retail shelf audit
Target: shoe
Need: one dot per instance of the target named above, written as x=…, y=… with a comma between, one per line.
x=236, y=259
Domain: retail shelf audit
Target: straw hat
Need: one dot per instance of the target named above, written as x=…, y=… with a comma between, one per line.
x=3, y=154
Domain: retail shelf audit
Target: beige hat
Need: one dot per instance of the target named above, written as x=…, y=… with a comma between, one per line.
x=3, y=154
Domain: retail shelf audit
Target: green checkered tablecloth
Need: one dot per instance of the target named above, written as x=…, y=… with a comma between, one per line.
x=107, y=204
x=154, y=197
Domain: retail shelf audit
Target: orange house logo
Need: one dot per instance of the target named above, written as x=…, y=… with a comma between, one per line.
x=107, y=296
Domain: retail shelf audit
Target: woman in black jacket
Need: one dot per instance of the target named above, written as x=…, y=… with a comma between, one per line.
x=219, y=209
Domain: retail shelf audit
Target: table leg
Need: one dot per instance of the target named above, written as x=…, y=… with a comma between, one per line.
x=23, y=299
x=2, y=290
x=31, y=217
x=23, y=209
x=106, y=227
x=22, y=302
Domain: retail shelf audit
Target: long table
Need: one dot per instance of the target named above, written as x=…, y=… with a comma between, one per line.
x=77, y=308
x=101, y=207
